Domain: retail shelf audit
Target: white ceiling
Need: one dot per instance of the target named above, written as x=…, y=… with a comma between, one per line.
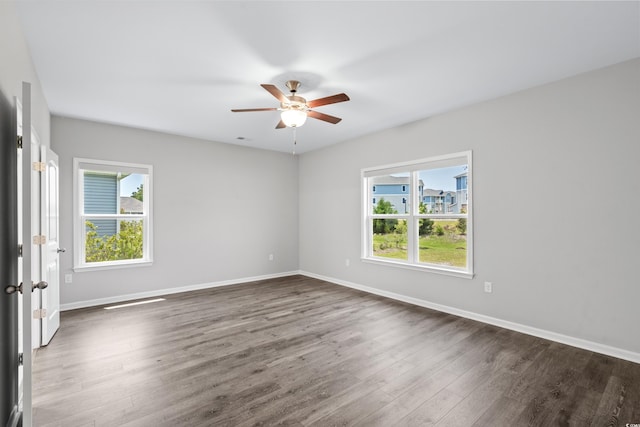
x=180, y=66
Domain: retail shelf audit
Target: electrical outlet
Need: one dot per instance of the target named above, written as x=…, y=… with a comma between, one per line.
x=270, y=257
x=347, y=262
x=68, y=278
x=488, y=287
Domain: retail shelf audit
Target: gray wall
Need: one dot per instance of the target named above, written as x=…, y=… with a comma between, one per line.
x=554, y=227
x=16, y=67
x=219, y=210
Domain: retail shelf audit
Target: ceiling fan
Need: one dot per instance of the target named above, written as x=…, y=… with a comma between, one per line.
x=295, y=109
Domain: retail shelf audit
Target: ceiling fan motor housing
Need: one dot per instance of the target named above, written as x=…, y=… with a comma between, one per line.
x=295, y=103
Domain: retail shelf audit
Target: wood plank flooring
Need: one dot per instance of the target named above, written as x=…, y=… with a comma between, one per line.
x=302, y=352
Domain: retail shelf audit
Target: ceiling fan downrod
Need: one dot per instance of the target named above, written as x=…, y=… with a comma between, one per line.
x=293, y=86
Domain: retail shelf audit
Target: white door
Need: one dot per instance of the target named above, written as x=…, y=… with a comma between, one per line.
x=27, y=187
x=50, y=251
x=10, y=266
x=36, y=259
x=18, y=105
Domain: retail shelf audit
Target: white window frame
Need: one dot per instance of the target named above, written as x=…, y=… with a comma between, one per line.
x=79, y=217
x=413, y=216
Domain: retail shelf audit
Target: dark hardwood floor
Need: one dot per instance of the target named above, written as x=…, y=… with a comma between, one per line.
x=302, y=352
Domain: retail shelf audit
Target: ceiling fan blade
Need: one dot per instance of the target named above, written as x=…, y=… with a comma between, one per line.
x=275, y=92
x=324, y=117
x=244, y=110
x=341, y=97
x=280, y=125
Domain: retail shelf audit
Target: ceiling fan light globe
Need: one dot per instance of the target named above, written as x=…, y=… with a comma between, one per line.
x=293, y=118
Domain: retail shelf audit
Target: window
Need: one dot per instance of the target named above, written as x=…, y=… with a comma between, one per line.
x=112, y=214
x=431, y=228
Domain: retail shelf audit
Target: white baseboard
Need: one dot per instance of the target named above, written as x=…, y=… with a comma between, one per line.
x=168, y=291
x=529, y=330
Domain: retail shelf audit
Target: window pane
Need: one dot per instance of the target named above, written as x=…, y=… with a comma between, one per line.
x=113, y=240
x=391, y=194
x=443, y=242
x=132, y=194
x=113, y=192
x=100, y=192
x=389, y=237
x=102, y=227
x=443, y=190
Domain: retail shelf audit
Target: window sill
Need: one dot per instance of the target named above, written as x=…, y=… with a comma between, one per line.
x=111, y=266
x=423, y=268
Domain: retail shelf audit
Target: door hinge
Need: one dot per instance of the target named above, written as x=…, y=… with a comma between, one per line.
x=39, y=166
x=20, y=359
x=19, y=141
x=40, y=313
x=39, y=240
x=20, y=251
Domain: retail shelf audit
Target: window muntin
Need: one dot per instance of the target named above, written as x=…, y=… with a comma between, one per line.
x=425, y=220
x=112, y=214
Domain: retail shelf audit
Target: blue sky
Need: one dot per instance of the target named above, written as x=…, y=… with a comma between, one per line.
x=129, y=184
x=442, y=178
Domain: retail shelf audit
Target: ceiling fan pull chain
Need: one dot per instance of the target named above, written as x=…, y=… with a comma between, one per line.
x=295, y=142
